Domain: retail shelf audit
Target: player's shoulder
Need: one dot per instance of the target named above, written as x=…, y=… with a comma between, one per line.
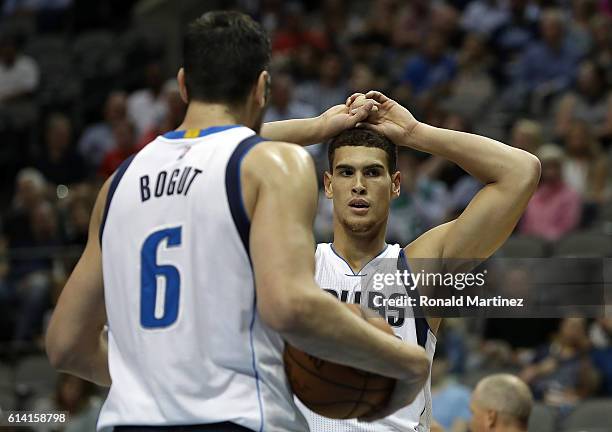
x=280, y=151
x=277, y=158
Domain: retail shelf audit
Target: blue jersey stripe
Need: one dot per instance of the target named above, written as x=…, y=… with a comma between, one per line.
x=243, y=225
x=234, y=189
x=111, y=191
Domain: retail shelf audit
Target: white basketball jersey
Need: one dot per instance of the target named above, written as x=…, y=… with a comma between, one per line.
x=334, y=275
x=185, y=342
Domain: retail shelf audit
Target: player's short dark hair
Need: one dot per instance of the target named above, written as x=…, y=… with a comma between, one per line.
x=223, y=54
x=363, y=138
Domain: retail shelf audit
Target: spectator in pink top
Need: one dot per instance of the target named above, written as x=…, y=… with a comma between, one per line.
x=555, y=208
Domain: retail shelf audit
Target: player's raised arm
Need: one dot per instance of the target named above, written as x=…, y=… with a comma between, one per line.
x=289, y=301
x=317, y=129
x=510, y=176
x=75, y=340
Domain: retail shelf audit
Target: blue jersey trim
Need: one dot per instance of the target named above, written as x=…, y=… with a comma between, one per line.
x=331, y=245
x=197, y=133
x=241, y=220
x=420, y=322
x=234, y=190
x=111, y=191
x=254, y=363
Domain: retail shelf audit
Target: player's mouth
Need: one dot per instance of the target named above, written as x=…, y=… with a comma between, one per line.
x=359, y=206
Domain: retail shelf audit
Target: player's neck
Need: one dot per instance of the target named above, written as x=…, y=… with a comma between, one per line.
x=203, y=115
x=358, y=250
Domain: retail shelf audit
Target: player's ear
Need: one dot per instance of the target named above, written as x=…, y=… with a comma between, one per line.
x=180, y=78
x=262, y=91
x=396, y=180
x=491, y=418
x=327, y=177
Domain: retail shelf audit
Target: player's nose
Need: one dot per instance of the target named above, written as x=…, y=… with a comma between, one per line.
x=359, y=187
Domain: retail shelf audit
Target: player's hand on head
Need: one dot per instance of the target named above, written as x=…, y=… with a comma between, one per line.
x=340, y=117
x=390, y=119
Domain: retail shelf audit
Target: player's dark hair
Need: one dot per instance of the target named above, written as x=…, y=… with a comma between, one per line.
x=223, y=54
x=363, y=138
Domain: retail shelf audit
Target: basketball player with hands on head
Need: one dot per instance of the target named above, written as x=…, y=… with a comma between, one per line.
x=362, y=181
x=199, y=260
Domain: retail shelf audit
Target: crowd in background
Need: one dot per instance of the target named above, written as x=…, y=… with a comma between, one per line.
x=75, y=102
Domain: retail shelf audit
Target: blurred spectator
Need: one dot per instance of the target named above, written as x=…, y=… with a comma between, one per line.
x=554, y=209
x=422, y=202
x=591, y=103
x=484, y=16
x=330, y=88
x=450, y=400
x=30, y=189
x=174, y=114
x=75, y=396
x=77, y=226
x=548, y=65
x=562, y=373
x=600, y=335
x=473, y=88
x=601, y=36
x=513, y=37
x=293, y=31
x=527, y=135
x=444, y=20
x=585, y=168
x=501, y=402
x=362, y=79
x=283, y=105
x=33, y=274
x=97, y=139
x=60, y=163
x=146, y=106
x=19, y=74
x=579, y=26
x=125, y=146
x=431, y=70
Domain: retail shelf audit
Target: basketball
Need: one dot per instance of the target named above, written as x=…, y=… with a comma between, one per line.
x=334, y=390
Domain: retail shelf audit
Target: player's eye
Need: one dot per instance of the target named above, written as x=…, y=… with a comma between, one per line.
x=372, y=172
x=346, y=172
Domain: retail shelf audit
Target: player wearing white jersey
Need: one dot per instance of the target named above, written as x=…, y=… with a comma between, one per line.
x=362, y=180
x=199, y=259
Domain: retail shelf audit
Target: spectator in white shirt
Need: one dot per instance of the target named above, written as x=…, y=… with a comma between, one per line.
x=19, y=75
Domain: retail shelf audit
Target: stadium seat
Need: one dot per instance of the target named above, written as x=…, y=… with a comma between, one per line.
x=584, y=244
x=542, y=419
x=523, y=247
x=590, y=416
x=36, y=373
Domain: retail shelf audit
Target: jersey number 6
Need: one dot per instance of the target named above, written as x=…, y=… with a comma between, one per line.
x=164, y=314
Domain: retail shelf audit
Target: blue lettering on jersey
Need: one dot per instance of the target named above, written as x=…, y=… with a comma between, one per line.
x=178, y=182
x=150, y=271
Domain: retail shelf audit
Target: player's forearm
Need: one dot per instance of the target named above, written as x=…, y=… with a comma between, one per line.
x=299, y=131
x=486, y=159
x=327, y=329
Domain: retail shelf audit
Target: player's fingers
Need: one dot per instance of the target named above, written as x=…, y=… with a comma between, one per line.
x=367, y=125
x=352, y=98
x=377, y=96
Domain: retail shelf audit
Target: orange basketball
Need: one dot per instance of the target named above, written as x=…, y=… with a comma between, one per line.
x=334, y=390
